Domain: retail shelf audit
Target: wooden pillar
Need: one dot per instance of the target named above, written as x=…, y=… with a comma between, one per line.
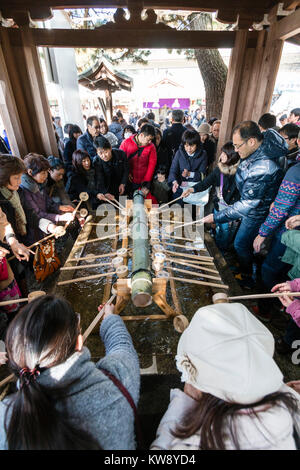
x=109, y=106
x=28, y=119
x=250, y=81
x=268, y=73
x=9, y=111
x=233, y=85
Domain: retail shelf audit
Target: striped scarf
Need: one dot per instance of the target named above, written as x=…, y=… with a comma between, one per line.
x=14, y=198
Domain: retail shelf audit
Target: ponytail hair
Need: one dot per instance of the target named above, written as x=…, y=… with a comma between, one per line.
x=42, y=335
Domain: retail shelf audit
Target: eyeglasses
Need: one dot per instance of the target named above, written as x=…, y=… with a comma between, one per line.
x=236, y=147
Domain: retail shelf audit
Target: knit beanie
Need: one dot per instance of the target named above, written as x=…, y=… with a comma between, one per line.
x=227, y=352
x=204, y=128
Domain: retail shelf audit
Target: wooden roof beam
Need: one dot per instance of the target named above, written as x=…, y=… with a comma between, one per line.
x=291, y=4
x=288, y=26
x=225, y=13
x=193, y=5
x=148, y=38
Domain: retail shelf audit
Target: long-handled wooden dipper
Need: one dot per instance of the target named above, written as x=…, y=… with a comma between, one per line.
x=86, y=278
x=90, y=257
x=164, y=274
x=194, y=240
x=168, y=203
x=98, y=239
x=182, y=246
x=104, y=224
x=191, y=265
x=83, y=197
x=31, y=296
x=97, y=318
x=120, y=205
x=195, y=273
x=205, y=259
x=188, y=223
x=220, y=297
x=84, y=266
x=112, y=203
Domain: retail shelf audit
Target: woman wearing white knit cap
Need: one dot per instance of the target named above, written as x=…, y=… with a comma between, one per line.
x=234, y=396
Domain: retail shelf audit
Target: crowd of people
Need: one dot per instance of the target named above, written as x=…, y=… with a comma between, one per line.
x=63, y=399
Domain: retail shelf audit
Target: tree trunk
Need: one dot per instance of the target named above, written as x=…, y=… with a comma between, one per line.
x=212, y=68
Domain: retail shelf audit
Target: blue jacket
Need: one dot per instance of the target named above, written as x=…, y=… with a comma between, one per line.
x=116, y=129
x=196, y=165
x=258, y=178
x=85, y=142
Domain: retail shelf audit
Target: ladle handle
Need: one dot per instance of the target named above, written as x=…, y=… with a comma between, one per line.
x=97, y=319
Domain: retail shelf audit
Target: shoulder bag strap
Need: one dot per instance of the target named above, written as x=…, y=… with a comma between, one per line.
x=129, y=398
x=221, y=183
x=138, y=152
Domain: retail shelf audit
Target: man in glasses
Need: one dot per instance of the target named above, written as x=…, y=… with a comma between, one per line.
x=86, y=140
x=290, y=134
x=258, y=178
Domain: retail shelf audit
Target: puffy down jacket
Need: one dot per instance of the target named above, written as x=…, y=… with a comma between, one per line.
x=142, y=160
x=258, y=178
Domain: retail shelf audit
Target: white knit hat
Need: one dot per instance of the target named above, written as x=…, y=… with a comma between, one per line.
x=227, y=352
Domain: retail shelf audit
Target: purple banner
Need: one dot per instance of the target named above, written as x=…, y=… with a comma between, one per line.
x=172, y=103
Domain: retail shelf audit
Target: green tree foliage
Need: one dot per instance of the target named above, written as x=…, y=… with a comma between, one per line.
x=91, y=18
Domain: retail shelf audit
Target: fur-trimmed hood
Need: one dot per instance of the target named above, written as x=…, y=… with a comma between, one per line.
x=228, y=170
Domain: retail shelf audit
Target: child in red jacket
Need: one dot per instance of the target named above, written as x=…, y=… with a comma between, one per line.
x=145, y=188
x=142, y=158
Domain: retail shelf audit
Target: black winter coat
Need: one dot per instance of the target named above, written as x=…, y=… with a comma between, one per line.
x=78, y=183
x=210, y=148
x=196, y=164
x=172, y=138
x=109, y=175
x=163, y=158
x=70, y=147
x=230, y=192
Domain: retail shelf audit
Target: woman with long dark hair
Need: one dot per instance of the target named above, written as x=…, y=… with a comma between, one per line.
x=64, y=400
x=234, y=396
x=82, y=178
x=222, y=182
x=70, y=146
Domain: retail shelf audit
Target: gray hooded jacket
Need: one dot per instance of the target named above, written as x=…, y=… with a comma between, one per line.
x=92, y=401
